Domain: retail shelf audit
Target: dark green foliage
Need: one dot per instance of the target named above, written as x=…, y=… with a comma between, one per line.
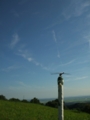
x=14, y=99
x=65, y=106
x=2, y=97
x=78, y=106
x=25, y=101
x=41, y=103
x=53, y=103
x=85, y=107
x=35, y=100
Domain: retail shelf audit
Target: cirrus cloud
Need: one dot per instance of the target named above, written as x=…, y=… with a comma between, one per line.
x=15, y=40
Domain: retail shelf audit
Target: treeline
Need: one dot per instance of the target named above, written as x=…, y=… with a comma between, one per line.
x=34, y=100
x=79, y=107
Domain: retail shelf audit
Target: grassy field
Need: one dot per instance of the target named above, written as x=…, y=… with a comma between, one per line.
x=28, y=111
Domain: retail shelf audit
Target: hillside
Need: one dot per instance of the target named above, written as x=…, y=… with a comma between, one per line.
x=29, y=111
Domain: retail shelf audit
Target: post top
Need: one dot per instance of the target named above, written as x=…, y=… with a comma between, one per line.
x=60, y=78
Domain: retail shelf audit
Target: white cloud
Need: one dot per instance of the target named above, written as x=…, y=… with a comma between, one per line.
x=89, y=44
x=55, y=39
x=58, y=55
x=74, y=44
x=87, y=38
x=81, y=8
x=14, y=41
x=30, y=59
x=82, y=62
x=77, y=78
x=25, y=54
x=88, y=16
x=13, y=67
x=36, y=63
x=76, y=8
x=81, y=78
x=55, y=67
x=70, y=62
x=54, y=36
x=53, y=24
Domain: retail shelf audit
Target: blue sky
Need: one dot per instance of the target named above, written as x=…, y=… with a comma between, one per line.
x=40, y=37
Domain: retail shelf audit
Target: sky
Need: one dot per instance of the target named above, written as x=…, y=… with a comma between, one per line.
x=40, y=37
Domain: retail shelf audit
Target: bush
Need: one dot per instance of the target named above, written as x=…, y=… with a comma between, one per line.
x=14, y=99
x=53, y=103
x=86, y=108
x=2, y=97
x=25, y=101
x=35, y=100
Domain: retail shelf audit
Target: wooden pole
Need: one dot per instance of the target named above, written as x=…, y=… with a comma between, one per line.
x=60, y=99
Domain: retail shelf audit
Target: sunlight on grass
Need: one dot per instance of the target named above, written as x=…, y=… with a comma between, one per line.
x=28, y=111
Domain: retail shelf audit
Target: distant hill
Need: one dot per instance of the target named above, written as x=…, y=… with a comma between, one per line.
x=77, y=99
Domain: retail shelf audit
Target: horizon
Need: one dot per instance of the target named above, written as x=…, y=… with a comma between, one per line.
x=66, y=97
x=43, y=37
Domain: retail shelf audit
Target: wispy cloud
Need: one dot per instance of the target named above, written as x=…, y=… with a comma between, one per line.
x=20, y=85
x=82, y=62
x=55, y=39
x=87, y=38
x=88, y=16
x=78, y=8
x=68, y=63
x=75, y=43
x=55, y=67
x=81, y=8
x=26, y=55
x=77, y=78
x=89, y=44
x=8, y=69
x=81, y=78
x=54, y=36
x=14, y=41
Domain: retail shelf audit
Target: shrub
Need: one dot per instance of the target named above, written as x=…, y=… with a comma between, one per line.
x=2, y=97
x=35, y=100
x=14, y=99
x=25, y=101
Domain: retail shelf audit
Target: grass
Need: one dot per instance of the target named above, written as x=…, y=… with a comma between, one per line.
x=28, y=111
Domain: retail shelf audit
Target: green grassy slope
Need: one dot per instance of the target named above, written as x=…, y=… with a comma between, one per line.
x=28, y=111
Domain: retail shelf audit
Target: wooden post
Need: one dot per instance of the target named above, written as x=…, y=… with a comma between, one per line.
x=60, y=99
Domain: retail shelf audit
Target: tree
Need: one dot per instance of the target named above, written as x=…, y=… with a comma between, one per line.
x=53, y=103
x=14, y=99
x=2, y=97
x=86, y=108
x=35, y=100
x=25, y=101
